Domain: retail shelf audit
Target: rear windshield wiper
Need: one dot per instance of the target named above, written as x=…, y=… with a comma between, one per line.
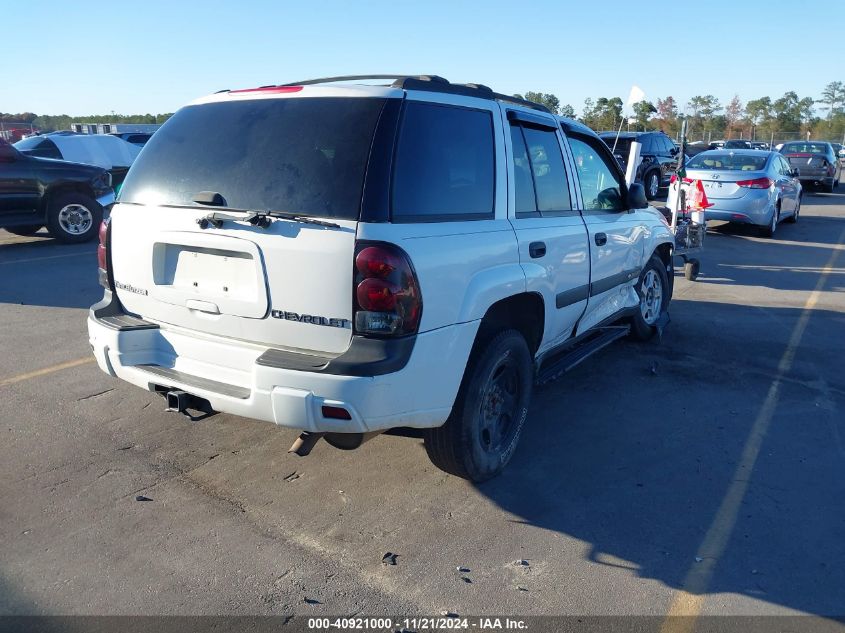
x=260, y=219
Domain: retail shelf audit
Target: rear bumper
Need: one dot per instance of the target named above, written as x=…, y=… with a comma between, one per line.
x=821, y=178
x=756, y=207
x=231, y=377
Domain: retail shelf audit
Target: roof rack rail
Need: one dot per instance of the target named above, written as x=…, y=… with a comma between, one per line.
x=430, y=83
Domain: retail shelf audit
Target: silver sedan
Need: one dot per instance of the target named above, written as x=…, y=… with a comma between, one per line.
x=748, y=187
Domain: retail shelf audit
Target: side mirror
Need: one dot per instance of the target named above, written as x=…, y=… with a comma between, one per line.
x=794, y=172
x=674, y=151
x=636, y=196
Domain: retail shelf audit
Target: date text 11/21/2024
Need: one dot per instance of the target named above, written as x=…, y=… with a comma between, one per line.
x=417, y=624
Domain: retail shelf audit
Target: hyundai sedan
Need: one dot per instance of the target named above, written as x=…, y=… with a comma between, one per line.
x=748, y=187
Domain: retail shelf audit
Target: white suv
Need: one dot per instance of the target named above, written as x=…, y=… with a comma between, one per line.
x=350, y=259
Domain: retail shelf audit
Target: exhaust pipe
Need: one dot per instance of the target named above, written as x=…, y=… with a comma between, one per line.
x=306, y=441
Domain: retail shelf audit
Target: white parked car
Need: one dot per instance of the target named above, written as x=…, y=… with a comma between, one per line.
x=349, y=259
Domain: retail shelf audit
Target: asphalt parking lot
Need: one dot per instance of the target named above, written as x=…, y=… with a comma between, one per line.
x=701, y=475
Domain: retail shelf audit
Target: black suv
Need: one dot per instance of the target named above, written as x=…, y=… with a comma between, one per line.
x=69, y=198
x=659, y=157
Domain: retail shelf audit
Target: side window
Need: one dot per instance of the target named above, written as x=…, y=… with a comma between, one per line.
x=550, y=182
x=601, y=188
x=541, y=187
x=668, y=145
x=444, y=165
x=525, y=199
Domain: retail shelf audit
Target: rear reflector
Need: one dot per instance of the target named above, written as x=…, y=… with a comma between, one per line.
x=268, y=89
x=336, y=413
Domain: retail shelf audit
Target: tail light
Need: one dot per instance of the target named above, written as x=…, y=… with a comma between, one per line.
x=757, y=183
x=674, y=179
x=103, y=259
x=387, y=292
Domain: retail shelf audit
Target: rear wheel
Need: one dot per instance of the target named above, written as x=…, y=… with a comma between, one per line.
x=772, y=226
x=25, y=229
x=485, y=425
x=74, y=217
x=653, y=289
x=652, y=184
x=831, y=187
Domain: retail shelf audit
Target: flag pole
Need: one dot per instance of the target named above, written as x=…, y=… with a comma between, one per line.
x=618, y=132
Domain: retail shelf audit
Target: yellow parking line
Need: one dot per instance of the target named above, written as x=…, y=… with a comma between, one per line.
x=689, y=599
x=47, y=370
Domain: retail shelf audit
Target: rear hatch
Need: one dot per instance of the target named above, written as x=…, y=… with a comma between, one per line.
x=287, y=284
x=810, y=158
x=727, y=175
x=808, y=164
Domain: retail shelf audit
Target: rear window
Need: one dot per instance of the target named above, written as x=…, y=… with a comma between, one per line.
x=804, y=148
x=444, y=164
x=728, y=161
x=623, y=145
x=305, y=156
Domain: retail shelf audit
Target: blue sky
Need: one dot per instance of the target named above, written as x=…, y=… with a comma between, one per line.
x=90, y=56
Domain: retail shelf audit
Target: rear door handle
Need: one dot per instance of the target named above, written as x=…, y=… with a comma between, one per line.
x=601, y=239
x=537, y=249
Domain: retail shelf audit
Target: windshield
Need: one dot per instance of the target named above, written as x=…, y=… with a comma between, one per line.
x=804, y=148
x=727, y=161
x=304, y=156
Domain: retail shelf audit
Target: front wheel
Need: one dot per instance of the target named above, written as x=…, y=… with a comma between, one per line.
x=653, y=289
x=652, y=184
x=74, y=217
x=485, y=425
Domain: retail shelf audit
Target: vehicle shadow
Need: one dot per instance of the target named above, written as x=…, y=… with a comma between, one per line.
x=44, y=272
x=736, y=255
x=634, y=454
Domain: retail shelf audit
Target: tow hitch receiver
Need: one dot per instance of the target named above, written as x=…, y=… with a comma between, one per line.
x=179, y=401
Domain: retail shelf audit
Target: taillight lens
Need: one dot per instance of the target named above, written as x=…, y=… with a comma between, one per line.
x=103, y=255
x=757, y=183
x=387, y=292
x=674, y=179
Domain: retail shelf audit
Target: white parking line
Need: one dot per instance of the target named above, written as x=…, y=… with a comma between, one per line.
x=39, y=259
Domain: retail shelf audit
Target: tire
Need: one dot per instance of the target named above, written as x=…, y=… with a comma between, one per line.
x=831, y=188
x=792, y=219
x=481, y=434
x=770, y=229
x=24, y=229
x=655, y=300
x=691, y=269
x=74, y=217
x=651, y=182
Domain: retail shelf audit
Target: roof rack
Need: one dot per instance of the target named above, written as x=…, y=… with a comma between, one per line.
x=430, y=83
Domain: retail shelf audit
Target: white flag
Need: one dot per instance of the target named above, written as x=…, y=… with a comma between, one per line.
x=636, y=95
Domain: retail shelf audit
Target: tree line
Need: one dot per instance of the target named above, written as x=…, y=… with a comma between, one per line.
x=52, y=123
x=785, y=118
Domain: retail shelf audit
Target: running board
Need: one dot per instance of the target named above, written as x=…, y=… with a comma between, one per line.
x=572, y=357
